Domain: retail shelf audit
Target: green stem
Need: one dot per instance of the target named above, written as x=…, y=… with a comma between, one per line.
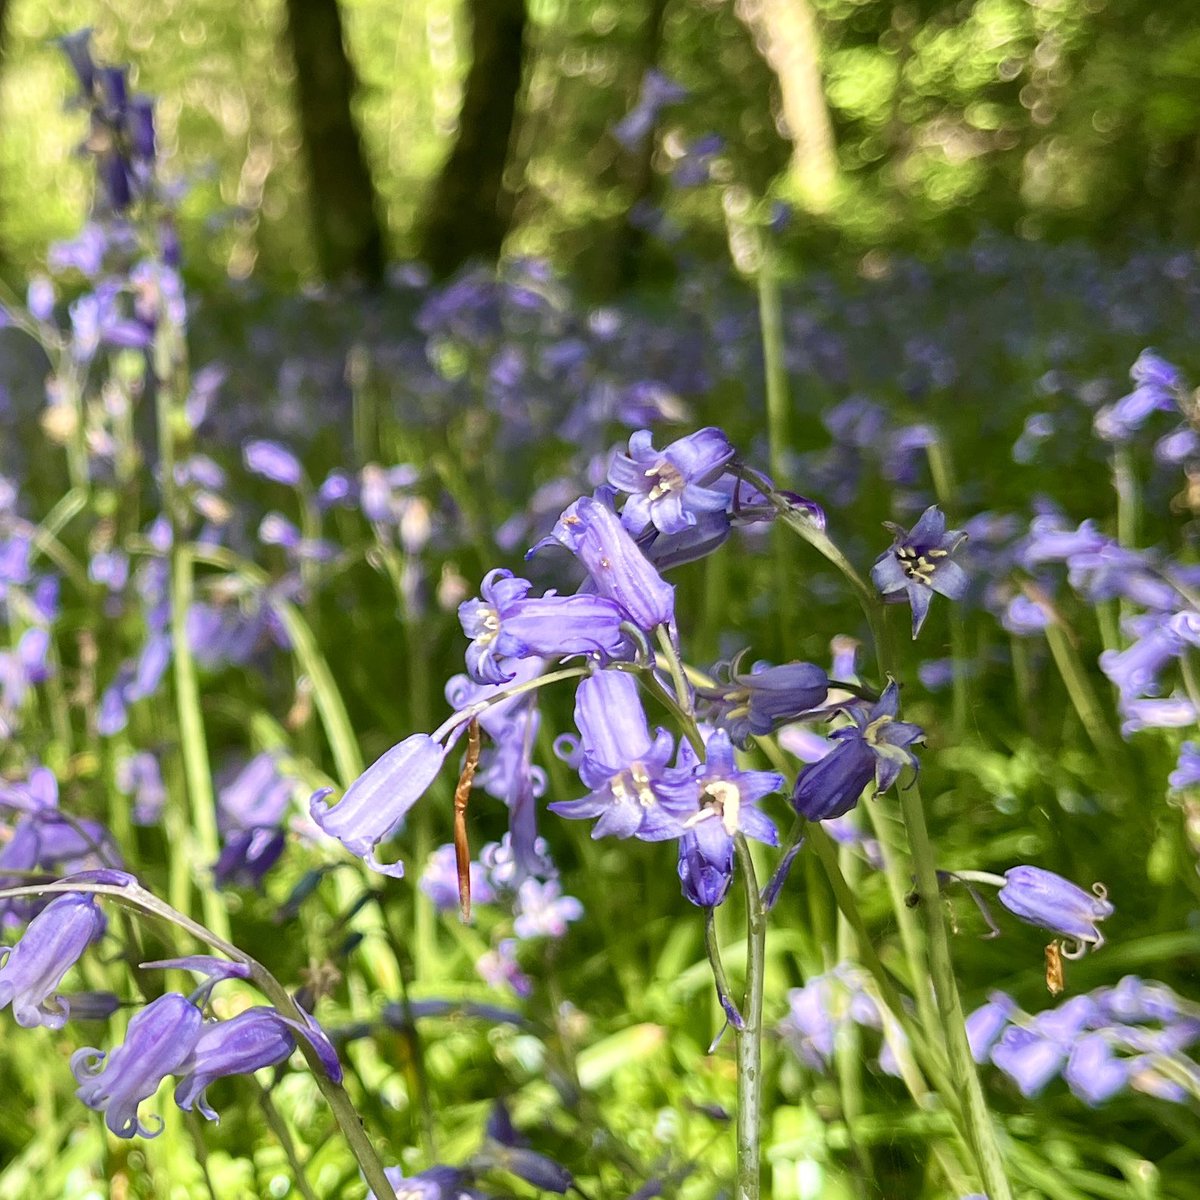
x=284, y=1137
x=168, y=369
x=749, y=1039
x=962, y=1064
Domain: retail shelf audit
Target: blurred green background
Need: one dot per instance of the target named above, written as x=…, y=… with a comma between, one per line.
x=908, y=124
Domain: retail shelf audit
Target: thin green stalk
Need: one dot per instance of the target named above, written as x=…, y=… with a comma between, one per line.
x=749, y=1038
x=1080, y=691
x=284, y=1136
x=962, y=1064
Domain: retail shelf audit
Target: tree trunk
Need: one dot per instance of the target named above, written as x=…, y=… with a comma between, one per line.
x=345, y=210
x=785, y=32
x=470, y=208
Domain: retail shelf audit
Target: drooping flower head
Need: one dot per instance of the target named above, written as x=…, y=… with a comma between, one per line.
x=618, y=570
x=507, y=624
x=158, y=1042
x=760, y=700
x=919, y=563
x=379, y=799
x=875, y=747
x=633, y=790
x=1048, y=900
x=258, y=1037
x=51, y=945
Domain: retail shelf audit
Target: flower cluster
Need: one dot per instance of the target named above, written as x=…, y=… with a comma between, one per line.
x=1130, y=1036
x=169, y=1036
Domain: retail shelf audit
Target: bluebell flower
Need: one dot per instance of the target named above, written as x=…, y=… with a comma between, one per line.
x=508, y=624
x=1051, y=902
x=270, y=460
x=157, y=1043
x=1187, y=770
x=439, y=880
x=258, y=1037
x=656, y=93
x=919, y=563
x=499, y=968
x=1093, y=1072
x=437, y=1183
x=985, y=1025
x=758, y=702
x=618, y=569
x=1157, y=385
x=379, y=799
x=139, y=777
x=51, y=945
x=543, y=911
x=728, y=805
x=1033, y=1054
x=875, y=747
x=1136, y=669
x=1161, y=712
x=667, y=488
x=633, y=790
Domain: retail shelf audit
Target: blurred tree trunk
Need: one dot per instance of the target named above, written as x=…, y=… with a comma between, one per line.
x=786, y=34
x=345, y=210
x=470, y=208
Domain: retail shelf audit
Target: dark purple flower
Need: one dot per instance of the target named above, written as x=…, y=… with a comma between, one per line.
x=379, y=799
x=1051, y=902
x=49, y=948
x=258, y=1037
x=509, y=624
x=875, y=747
x=728, y=805
x=619, y=570
x=918, y=563
x=760, y=701
x=633, y=790
x=667, y=488
x=157, y=1043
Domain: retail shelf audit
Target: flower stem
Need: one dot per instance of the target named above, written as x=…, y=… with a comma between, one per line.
x=749, y=1038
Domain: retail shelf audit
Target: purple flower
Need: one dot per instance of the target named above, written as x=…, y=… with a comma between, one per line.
x=272, y=461
x=138, y=775
x=667, y=488
x=986, y=1024
x=875, y=746
x=1164, y=712
x=633, y=791
x=1135, y=670
x=619, y=570
x=1187, y=770
x=158, y=1042
x=764, y=699
x=918, y=563
x=1093, y=1072
x=1051, y=902
x=543, y=911
x=49, y=948
x=1157, y=383
x=379, y=799
x=728, y=805
x=508, y=624
x=439, y=880
x=258, y=1037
